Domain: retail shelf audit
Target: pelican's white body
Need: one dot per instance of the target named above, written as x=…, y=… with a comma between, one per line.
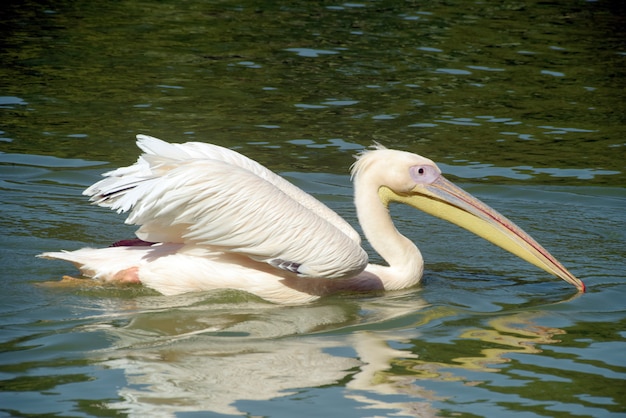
x=223, y=221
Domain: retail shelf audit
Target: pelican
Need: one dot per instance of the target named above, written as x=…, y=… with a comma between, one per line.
x=211, y=218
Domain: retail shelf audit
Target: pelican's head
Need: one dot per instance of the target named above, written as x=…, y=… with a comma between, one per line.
x=411, y=179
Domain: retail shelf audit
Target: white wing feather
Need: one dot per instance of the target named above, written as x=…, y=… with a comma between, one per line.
x=206, y=195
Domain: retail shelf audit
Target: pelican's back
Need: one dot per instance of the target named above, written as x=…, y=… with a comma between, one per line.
x=206, y=195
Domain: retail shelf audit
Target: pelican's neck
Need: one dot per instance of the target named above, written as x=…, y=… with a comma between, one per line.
x=405, y=261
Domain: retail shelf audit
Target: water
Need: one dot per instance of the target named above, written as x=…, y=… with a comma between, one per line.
x=519, y=103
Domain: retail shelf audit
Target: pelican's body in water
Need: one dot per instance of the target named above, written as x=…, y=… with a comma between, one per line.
x=211, y=218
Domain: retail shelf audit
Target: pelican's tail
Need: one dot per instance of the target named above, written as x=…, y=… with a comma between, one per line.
x=101, y=263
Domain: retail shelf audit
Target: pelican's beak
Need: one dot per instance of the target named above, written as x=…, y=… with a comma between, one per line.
x=444, y=200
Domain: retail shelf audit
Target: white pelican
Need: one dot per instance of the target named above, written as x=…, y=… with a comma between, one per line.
x=211, y=218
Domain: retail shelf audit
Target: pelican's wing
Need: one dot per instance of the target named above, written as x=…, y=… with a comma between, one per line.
x=210, y=196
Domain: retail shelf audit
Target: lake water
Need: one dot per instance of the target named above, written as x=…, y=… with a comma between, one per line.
x=521, y=103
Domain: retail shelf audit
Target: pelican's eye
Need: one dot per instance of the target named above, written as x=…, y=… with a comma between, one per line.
x=424, y=174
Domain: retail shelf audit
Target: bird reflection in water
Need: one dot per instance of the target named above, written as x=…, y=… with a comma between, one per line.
x=220, y=357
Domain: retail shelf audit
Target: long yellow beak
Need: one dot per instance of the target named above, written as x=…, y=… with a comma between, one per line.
x=443, y=199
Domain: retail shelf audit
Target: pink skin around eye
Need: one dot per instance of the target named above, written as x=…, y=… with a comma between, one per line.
x=423, y=174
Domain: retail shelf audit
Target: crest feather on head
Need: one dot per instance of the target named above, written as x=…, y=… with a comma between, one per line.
x=362, y=158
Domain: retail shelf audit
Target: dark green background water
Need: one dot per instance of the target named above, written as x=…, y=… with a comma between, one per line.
x=521, y=103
